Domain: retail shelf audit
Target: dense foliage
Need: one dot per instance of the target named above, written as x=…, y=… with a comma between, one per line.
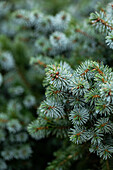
x=56, y=39
x=78, y=102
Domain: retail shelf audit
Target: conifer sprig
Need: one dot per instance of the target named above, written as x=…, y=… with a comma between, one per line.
x=91, y=121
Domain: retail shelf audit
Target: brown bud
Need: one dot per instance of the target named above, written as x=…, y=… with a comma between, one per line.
x=74, y=41
x=49, y=49
x=109, y=94
x=57, y=38
x=19, y=16
x=63, y=17
x=82, y=87
x=52, y=75
x=57, y=73
x=56, y=77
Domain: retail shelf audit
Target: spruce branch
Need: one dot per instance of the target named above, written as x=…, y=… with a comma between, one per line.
x=91, y=109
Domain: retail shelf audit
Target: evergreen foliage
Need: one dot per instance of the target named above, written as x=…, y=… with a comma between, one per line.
x=17, y=99
x=79, y=100
x=90, y=89
x=52, y=38
x=103, y=21
x=14, y=113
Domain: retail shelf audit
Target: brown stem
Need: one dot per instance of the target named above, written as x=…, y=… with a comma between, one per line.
x=40, y=63
x=68, y=158
x=103, y=22
x=107, y=164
